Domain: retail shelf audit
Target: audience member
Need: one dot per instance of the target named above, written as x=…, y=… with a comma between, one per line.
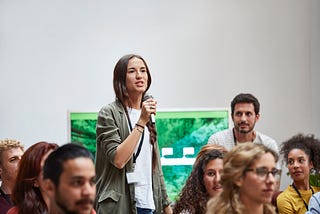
x=248, y=181
x=128, y=167
x=10, y=155
x=314, y=204
x=301, y=154
x=244, y=113
x=28, y=195
x=203, y=182
x=69, y=180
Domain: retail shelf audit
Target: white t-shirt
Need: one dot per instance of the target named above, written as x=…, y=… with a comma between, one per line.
x=225, y=138
x=143, y=167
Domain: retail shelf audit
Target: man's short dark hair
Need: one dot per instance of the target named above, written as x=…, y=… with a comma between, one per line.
x=53, y=166
x=245, y=98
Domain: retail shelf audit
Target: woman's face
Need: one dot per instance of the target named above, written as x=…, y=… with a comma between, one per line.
x=299, y=165
x=137, y=76
x=211, y=176
x=256, y=188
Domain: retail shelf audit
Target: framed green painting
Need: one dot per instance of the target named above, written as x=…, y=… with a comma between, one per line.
x=181, y=134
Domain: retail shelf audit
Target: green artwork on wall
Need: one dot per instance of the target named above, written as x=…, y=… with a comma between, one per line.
x=181, y=134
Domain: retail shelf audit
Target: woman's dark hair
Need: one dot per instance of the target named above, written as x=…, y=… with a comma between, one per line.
x=26, y=196
x=307, y=143
x=120, y=89
x=193, y=196
x=119, y=77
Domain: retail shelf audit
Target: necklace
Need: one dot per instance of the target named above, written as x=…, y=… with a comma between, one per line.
x=298, y=192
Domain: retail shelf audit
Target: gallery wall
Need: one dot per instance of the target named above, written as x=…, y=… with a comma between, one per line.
x=58, y=56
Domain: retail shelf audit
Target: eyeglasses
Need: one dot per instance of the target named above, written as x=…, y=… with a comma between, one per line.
x=263, y=172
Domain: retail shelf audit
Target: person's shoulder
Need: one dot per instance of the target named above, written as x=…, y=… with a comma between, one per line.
x=13, y=210
x=220, y=136
x=268, y=141
x=287, y=193
x=222, y=133
x=317, y=190
x=265, y=138
x=111, y=107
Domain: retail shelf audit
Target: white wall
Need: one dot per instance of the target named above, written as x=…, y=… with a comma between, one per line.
x=59, y=55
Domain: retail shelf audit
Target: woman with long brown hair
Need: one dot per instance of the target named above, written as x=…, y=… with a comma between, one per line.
x=28, y=195
x=129, y=174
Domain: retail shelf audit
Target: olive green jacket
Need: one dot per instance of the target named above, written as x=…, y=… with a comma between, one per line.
x=114, y=194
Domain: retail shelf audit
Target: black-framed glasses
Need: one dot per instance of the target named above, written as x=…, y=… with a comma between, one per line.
x=263, y=172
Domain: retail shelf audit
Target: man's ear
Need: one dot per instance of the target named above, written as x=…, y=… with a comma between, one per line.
x=49, y=186
x=257, y=116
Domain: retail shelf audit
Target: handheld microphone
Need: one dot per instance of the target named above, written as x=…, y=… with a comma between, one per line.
x=152, y=116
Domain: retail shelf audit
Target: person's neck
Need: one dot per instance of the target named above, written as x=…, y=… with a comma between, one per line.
x=134, y=101
x=252, y=208
x=244, y=137
x=302, y=185
x=7, y=187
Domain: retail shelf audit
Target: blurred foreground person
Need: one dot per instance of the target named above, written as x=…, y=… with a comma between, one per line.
x=248, y=181
x=69, y=180
x=11, y=152
x=28, y=195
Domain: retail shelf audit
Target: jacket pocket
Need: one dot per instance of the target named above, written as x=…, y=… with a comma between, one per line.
x=113, y=195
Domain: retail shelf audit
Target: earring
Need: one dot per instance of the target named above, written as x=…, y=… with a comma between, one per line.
x=312, y=171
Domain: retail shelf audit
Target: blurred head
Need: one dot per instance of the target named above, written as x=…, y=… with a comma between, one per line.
x=29, y=179
x=249, y=173
x=301, y=154
x=121, y=73
x=69, y=176
x=10, y=155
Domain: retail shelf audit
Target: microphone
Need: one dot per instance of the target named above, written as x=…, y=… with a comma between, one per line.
x=152, y=116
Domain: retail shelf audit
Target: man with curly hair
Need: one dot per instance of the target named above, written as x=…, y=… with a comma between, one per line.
x=10, y=155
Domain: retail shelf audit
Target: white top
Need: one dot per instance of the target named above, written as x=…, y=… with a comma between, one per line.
x=225, y=138
x=314, y=204
x=143, y=167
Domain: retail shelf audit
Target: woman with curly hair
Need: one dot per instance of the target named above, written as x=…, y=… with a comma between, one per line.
x=302, y=155
x=203, y=182
x=248, y=181
x=28, y=195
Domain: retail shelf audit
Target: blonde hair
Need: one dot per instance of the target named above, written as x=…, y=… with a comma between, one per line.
x=236, y=162
x=9, y=144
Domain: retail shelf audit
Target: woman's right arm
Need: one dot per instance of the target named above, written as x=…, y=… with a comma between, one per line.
x=108, y=131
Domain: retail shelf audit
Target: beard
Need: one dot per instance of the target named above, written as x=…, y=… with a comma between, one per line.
x=64, y=207
x=244, y=131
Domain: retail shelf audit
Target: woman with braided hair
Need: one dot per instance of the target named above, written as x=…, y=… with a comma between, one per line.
x=128, y=168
